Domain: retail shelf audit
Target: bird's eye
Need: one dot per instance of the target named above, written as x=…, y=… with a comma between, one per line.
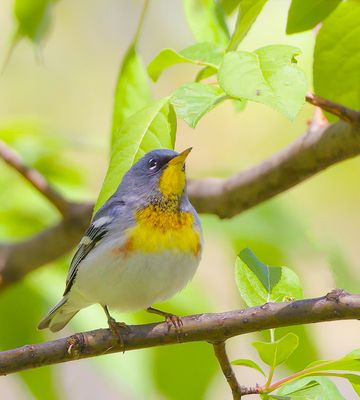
x=152, y=163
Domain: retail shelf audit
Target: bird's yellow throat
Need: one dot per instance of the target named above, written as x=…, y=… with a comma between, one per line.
x=172, y=180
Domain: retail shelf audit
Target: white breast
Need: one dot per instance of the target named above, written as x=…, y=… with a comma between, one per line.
x=131, y=282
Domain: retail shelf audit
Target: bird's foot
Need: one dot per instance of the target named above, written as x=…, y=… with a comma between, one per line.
x=172, y=320
x=114, y=327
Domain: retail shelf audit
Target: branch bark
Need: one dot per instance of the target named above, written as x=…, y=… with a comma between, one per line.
x=344, y=113
x=221, y=355
x=337, y=305
x=36, y=179
x=305, y=157
x=19, y=258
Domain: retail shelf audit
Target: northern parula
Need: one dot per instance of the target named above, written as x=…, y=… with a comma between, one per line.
x=142, y=246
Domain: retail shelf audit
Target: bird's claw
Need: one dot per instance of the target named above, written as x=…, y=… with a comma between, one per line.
x=113, y=326
x=175, y=321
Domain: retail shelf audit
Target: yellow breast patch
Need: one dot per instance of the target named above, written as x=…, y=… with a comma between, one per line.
x=158, y=229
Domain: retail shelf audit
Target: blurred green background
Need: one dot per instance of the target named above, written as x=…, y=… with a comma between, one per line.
x=56, y=109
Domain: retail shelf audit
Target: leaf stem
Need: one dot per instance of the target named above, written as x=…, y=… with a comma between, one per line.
x=141, y=20
x=305, y=372
x=271, y=375
x=272, y=335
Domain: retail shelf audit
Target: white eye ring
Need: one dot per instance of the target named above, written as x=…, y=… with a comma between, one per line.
x=152, y=163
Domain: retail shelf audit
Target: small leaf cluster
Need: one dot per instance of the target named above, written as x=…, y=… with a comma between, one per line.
x=268, y=75
x=258, y=283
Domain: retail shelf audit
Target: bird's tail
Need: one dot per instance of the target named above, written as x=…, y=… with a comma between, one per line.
x=58, y=316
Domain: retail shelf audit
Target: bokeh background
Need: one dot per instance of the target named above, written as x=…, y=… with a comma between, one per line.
x=55, y=110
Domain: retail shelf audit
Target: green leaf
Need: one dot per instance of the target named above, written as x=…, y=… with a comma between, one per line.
x=205, y=54
x=248, y=363
x=350, y=362
x=269, y=76
x=269, y=277
x=132, y=91
x=150, y=128
x=304, y=353
x=192, y=100
x=229, y=6
x=306, y=14
x=277, y=352
x=248, y=12
x=352, y=378
x=204, y=73
x=207, y=22
x=33, y=18
x=259, y=283
x=311, y=388
x=336, y=56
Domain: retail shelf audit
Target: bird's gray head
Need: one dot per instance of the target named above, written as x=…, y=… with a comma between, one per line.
x=159, y=174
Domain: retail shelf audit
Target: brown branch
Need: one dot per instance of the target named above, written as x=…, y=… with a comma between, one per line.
x=221, y=355
x=19, y=258
x=36, y=179
x=337, y=305
x=303, y=158
x=344, y=113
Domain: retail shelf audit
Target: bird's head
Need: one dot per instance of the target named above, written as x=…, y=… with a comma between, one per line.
x=158, y=174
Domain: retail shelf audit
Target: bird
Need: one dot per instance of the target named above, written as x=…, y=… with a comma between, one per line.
x=142, y=246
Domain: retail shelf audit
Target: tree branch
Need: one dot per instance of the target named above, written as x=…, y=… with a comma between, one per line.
x=221, y=355
x=36, y=179
x=19, y=258
x=344, y=113
x=303, y=158
x=337, y=305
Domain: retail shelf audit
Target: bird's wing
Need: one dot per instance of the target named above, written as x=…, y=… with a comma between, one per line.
x=96, y=231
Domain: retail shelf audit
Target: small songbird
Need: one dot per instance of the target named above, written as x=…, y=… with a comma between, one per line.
x=143, y=245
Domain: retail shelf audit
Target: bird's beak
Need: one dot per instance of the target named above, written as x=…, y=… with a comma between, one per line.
x=180, y=159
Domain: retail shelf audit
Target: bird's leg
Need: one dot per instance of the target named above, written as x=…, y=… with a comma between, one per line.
x=171, y=319
x=114, y=325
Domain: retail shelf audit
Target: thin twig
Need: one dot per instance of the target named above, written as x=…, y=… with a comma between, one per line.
x=344, y=113
x=36, y=179
x=338, y=305
x=221, y=355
